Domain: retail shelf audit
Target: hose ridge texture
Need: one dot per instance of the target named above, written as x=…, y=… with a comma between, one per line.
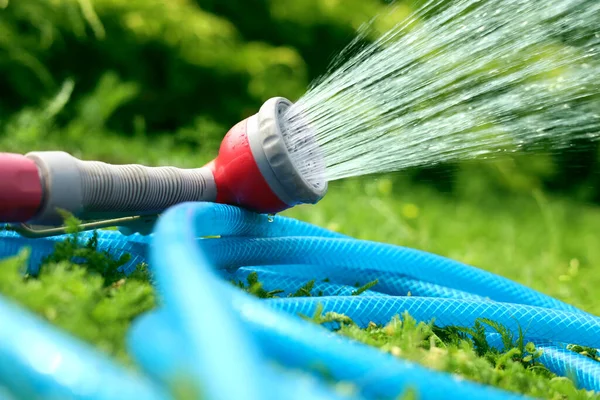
x=214, y=334
x=137, y=188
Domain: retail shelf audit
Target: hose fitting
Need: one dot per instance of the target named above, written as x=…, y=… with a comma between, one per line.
x=21, y=188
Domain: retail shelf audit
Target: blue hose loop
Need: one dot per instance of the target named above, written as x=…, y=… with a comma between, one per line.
x=5, y=394
x=389, y=283
x=296, y=344
x=555, y=356
x=198, y=311
x=39, y=361
x=289, y=284
x=230, y=335
x=537, y=322
x=289, y=340
x=223, y=220
x=584, y=371
x=360, y=255
x=11, y=243
x=166, y=362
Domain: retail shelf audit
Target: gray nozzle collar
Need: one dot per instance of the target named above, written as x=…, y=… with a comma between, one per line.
x=62, y=185
x=273, y=159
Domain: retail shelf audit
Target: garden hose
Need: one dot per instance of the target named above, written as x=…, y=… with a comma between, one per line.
x=254, y=169
x=232, y=345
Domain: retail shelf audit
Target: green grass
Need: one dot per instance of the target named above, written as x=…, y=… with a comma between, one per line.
x=545, y=243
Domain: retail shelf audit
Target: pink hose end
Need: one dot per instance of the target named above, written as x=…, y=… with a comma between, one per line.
x=20, y=188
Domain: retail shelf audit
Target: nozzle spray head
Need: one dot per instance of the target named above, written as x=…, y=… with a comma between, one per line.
x=259, y=168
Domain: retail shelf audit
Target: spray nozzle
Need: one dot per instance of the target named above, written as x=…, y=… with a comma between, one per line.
x=257, y=168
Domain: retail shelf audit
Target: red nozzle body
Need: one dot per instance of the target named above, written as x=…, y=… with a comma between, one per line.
x=238, y=179
x=254, y=168
x=21, y=190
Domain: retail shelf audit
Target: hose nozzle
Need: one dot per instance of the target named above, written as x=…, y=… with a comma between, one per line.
x=255, y=169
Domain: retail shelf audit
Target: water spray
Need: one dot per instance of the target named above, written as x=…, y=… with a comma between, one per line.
x=255, y=169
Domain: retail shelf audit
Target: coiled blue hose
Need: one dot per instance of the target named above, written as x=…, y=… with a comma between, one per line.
x=230, y=345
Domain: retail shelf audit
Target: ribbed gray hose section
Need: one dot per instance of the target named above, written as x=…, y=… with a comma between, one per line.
x=136, y=188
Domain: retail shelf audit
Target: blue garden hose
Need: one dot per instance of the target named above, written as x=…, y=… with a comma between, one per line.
x=230, y=345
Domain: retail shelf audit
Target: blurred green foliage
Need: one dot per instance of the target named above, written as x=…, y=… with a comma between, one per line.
x=161, y=81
